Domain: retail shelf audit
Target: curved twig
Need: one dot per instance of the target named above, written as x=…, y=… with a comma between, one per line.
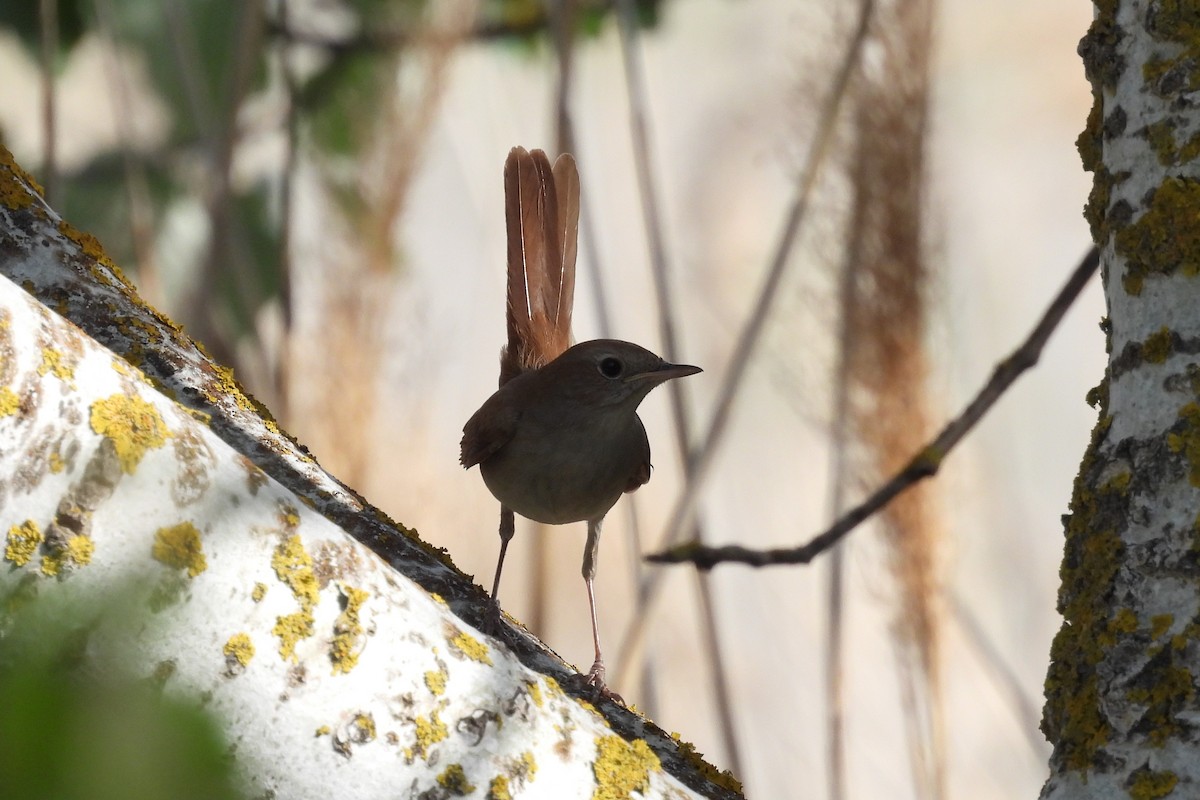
x=924, y=464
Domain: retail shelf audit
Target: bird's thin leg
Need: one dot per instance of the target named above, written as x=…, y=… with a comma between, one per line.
x=507, y=526
x=595, y=675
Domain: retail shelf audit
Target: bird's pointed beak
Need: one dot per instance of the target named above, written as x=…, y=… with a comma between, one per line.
x=665, y=373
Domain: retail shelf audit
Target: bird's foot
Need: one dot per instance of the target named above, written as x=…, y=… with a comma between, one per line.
x=493, y=619
x=595, y=679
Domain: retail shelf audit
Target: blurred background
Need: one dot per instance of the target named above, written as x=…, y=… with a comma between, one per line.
x=313, y=188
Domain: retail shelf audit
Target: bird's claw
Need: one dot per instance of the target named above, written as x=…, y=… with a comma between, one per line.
x=493, y=619
x=595, y=679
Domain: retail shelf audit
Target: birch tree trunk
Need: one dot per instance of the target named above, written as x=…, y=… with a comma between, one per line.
x=341, y=653
x=1121, y=693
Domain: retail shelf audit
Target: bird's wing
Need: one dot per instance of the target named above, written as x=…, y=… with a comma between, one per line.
x=641, y=475
x=487, y=430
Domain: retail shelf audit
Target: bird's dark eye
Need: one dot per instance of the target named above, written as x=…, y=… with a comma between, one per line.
x=611, y=367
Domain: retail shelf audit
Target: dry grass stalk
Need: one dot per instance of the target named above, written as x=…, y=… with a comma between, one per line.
x=887, y=359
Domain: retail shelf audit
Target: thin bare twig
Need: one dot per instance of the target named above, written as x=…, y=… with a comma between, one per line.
x=923, y=465
x=747, y=343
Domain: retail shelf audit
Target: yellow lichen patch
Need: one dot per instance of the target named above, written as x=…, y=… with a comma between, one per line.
x=239, y=648
x=1149, y=785
x=75, y=551
x=179, y=547
x=1164, y=239
x=80, y=549
x=347, y=630
x=53, y=361
x=524, y=769
x=226, y=387
x=22, y=542
x=290, y=629
x=9, y=402
x=293, y=565
x=57, y=464
x=516, y=774
x=455, y=782
x=430, y=731
x=289, y=517
x=1158, y=346
x=465, y=645
x=1186, y=439
x=132, y=424
x=435, y=679
x=360, y=730
x=552, y=688
x=259, y=592
x=498, y=788
x=363, y=728
x=203, y=417
x=324, y=730
x=1118, y=483
x=92, y=248
x=722, y=778
x=535, y=692
x=1123, y=622
x=1160, y=624
x=17, y=189
x=622, y=768
x=1169, y=692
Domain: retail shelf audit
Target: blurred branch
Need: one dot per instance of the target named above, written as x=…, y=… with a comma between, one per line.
x=287, y=188
x=744, y=348
x=217, y=121
x=924, y=464
x=562, y=18
x=840, y=472
x=639, y=129
x=48, y=21
x=141, y=208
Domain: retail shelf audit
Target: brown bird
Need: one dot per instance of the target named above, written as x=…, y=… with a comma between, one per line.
x=560, y=440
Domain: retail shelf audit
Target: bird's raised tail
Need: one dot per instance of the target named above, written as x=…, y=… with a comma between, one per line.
x=541, y=209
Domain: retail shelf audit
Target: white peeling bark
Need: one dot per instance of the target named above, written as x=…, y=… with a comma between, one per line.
x=341, y=652
x=1122, y=702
